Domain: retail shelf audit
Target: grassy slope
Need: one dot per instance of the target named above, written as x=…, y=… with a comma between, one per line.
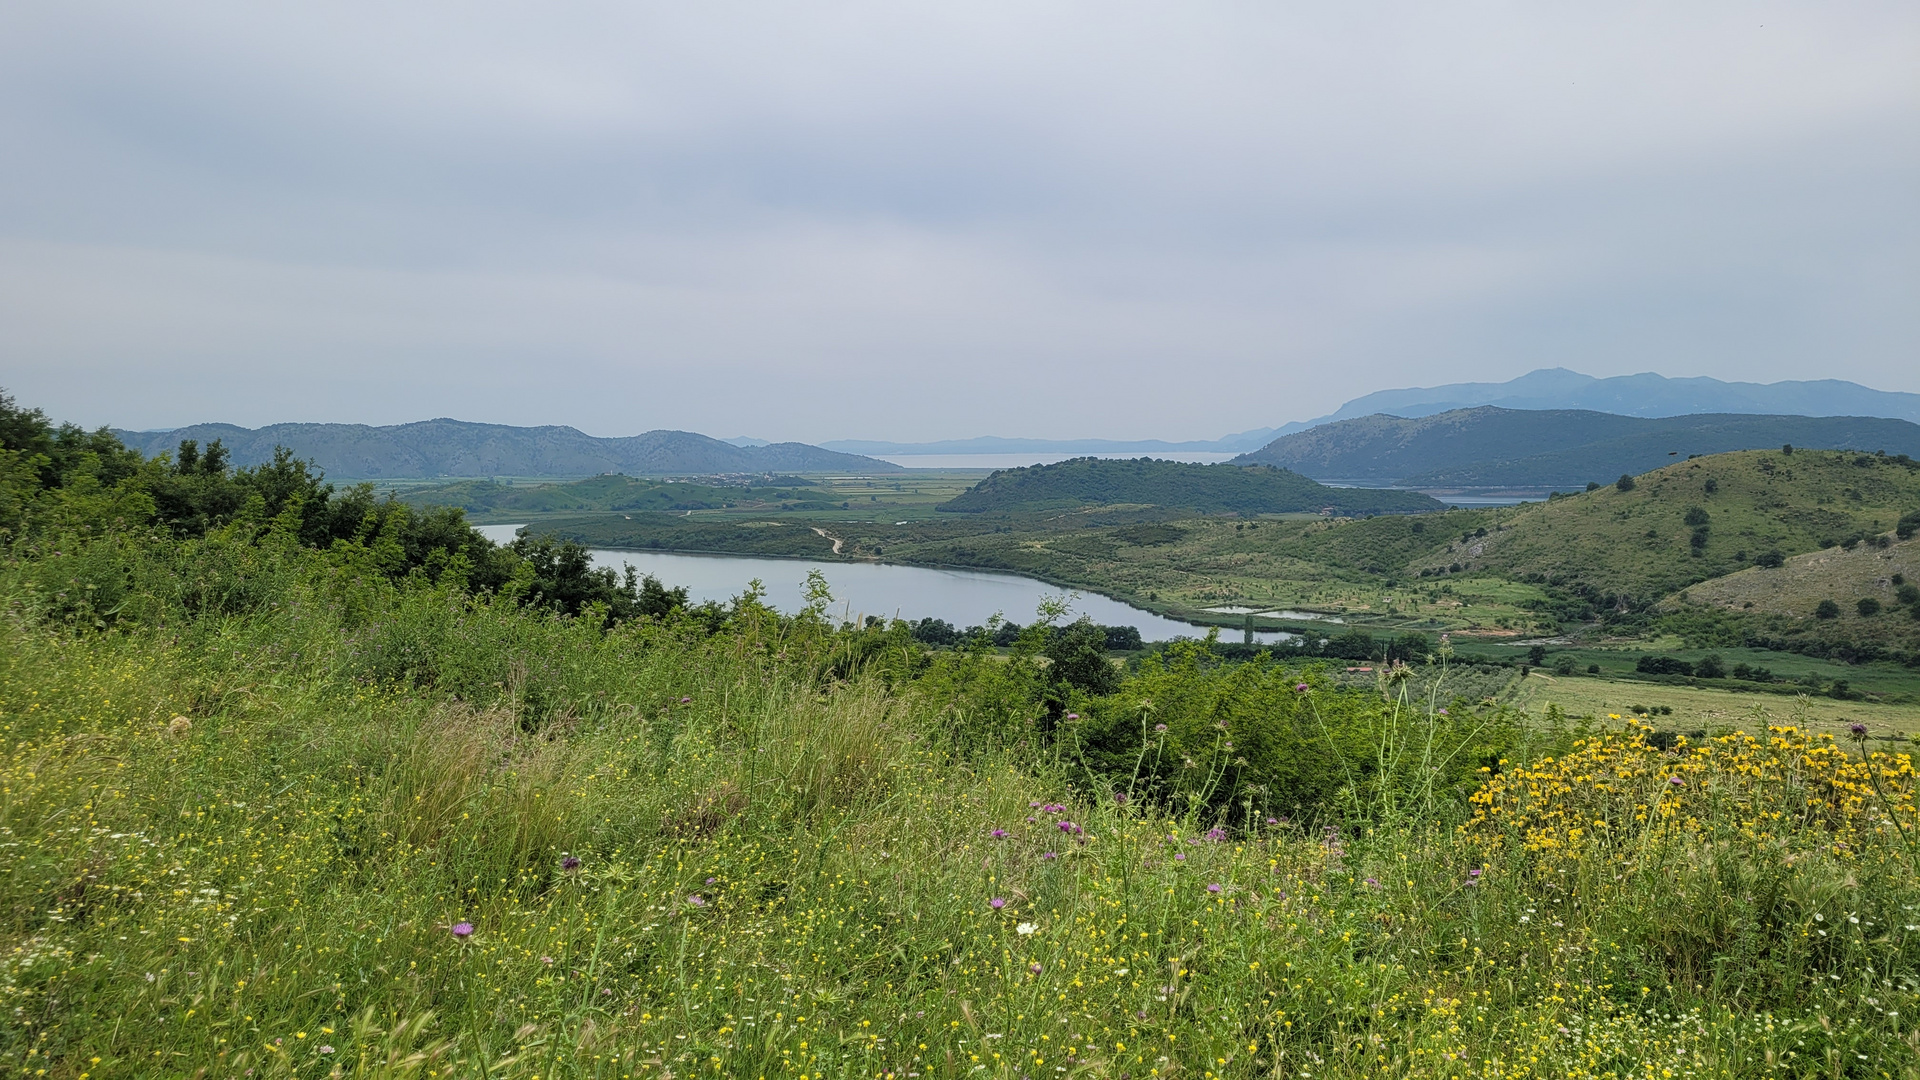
x=1205, y=488
x=1838, y=574
x=1637, y=542
x=782, y=874
x=1698, y=707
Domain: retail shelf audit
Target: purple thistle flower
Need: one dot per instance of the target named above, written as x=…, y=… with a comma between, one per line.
x=996, y=903
x=1443, y=712
x=686, y=701
x=1675, y=781
x=462, y=929
x=1273, y=821
x=711, y=880
x=1051, y=855
x=1299, y=686
x=1160, y=727
x=998, y=834
x=1475, y=872
x=1859, y=730
x=1120, y=798
x=1073, y=716
x=1180, y=856
x=571, y=862
x=1034, y=967
x=1213, y=887
x=696, y=900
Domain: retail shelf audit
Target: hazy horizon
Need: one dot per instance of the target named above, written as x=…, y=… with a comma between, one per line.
x=857, y=221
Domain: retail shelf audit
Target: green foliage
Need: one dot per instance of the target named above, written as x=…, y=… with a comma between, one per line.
x=1826, y=609
x=1150, y=482
x=1257, y=740
x=614, y=493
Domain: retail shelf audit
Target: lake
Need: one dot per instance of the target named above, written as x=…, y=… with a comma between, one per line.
x=1020, y=461
x=961, y=597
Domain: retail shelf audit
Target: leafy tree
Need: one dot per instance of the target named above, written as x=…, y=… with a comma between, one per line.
x=1625, y=483
x=1078, y=653
x=1827, y=609
x=564, y=579
x=1867, y=607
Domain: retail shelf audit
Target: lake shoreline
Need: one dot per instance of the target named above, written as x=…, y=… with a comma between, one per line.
x=1230, y=627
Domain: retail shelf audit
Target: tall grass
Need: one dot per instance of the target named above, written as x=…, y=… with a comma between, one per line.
x=246, y=839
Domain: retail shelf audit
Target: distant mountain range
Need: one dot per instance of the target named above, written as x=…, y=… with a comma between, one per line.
x=1646, y=394
x=1643, y=395
x=453, y=448
x=1490, y=447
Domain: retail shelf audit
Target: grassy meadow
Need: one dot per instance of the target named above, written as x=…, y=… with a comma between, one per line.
x=352, y=827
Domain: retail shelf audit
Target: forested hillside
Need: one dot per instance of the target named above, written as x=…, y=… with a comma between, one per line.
x=456, y=448
x=1201, y=488
x=1493, y=447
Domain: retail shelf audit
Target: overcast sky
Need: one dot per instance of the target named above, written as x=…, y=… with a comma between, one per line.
x=909, y=221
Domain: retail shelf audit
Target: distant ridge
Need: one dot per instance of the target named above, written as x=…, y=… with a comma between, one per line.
x=1489, y=447
x=1646, y=395
x=455, y=448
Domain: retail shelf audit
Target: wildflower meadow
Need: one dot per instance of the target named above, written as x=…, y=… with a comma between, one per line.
x=287, y=814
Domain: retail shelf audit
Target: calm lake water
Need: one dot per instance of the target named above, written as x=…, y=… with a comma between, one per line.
x=961, y=597
x=1019, y=461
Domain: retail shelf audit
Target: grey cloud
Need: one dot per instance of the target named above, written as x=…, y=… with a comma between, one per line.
x=871, y=220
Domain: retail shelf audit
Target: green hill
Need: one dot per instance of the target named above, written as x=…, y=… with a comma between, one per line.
x=1493, y=447
x=1693, y=521
x=608, y=493
x=1148, y=482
